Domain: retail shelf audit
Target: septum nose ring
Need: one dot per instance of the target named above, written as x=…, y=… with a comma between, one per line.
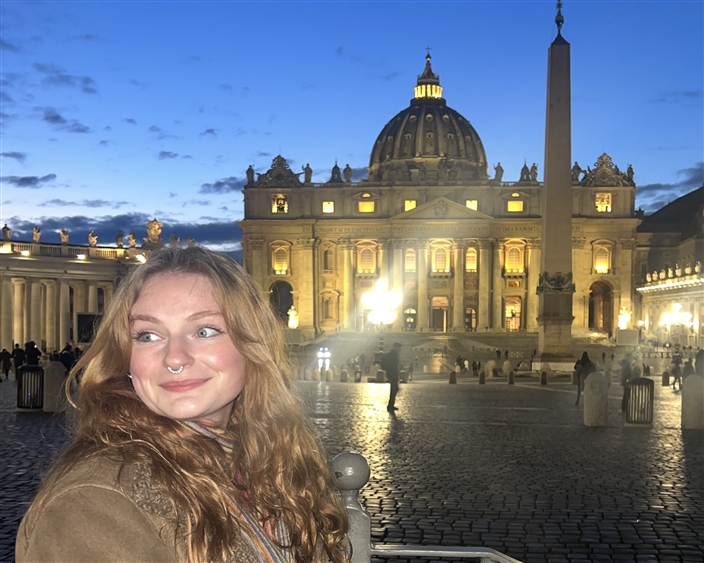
x=175, y=371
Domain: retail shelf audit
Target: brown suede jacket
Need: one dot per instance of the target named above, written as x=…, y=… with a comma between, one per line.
x=96, y=514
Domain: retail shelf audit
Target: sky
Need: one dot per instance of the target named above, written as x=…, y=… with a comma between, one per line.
x=114, y=113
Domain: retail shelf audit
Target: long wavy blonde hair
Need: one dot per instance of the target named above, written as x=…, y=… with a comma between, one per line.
x=277, y=460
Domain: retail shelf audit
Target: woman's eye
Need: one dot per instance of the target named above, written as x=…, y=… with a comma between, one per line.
x=146, y=337
x=207, y=332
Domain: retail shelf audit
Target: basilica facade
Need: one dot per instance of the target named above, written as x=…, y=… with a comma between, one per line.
x=460, y=248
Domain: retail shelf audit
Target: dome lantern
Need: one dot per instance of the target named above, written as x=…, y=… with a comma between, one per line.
x=428, y=85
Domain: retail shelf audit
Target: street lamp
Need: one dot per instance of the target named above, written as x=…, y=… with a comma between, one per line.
x=323, y=359
x=676, y=317
x=381, y=303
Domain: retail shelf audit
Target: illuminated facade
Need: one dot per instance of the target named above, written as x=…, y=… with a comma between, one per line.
x=669, y=276
x=462, y=248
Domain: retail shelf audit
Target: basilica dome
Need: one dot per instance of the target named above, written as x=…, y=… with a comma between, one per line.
x=428, y=141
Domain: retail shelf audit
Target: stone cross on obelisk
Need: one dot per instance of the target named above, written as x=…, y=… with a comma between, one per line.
x=556, y=288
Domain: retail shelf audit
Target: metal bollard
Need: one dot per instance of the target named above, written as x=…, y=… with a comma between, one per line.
x=351, y=472
x=511, y=378
x=693, y=402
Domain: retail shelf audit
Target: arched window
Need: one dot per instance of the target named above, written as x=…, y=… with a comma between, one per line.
x=281, y=261
x=410, y=262
x=470, y=260
x=440, y=262
x=602, y=260
x=366, y=260
x=514, y=259
x=328, y=263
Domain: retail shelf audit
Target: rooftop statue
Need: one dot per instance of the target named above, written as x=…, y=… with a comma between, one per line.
x=576, y=171
x=250, y=175
x=307, y=174
x=498, y=172
x=347, y=172
x=174, y=240
x=120, y=239
x=36, y=234
x=191, y=242
x=6, y=232
x=606, y=174
x=92, y=238
x=153, y=239
x=279, y=175
x=63, y=233
x=534, y=172
x=132, y=240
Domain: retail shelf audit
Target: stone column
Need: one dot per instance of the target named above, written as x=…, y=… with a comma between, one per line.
x=397, y=285
x=348, y=302
x=64, y=314
x=6, y=320
x=458, y=289
x=35, y=331
x=18, y=311
x=50, y=321
x=483, y=319
x=307, y=295
x=260, y=264
x=497, y=282
x=533, y=249
x=422, y=287
x=92, y=297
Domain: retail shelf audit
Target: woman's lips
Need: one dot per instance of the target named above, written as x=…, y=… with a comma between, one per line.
x=183, y=385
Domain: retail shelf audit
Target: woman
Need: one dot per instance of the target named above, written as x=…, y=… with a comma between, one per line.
x=6, y=359
x=583, y=368
x=189, y=443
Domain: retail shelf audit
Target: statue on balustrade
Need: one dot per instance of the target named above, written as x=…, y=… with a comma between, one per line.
x=92, y=238
x=498, y=172
x=63, y=233
x=36, y=234
x=534, y=173
x=132, y=240
x=576, y=171
x=120, y=239
x=191, y=242
x=250, y=175
x=153, y=239
x=6, y=232
x=347, y=172
x=307, y=174
x=174, y=240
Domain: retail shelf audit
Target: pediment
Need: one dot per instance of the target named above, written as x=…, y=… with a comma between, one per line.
x=441, y=209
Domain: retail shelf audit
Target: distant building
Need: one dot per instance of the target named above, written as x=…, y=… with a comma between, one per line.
x=462, y=248
x=669, y=277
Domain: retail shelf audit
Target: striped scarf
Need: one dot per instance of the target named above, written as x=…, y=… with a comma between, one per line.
x=264, y=539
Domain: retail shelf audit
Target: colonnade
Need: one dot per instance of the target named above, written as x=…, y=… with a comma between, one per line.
x=41, y=308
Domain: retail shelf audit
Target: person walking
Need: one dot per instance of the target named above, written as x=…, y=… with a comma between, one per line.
x=19, y=358
x=389, y=363
x=583, y=368
x=625, y=376
x=6, y=359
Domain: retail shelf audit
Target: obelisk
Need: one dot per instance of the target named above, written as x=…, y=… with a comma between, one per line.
x=555, y=287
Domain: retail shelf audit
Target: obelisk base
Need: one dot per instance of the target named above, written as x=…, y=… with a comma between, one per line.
x=555, y=332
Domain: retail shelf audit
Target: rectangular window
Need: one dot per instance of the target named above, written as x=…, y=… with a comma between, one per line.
x=409, y=204
x=472, y=204
x=514, y=283
x=365, y=206
x=279, y=204
x=603, y=203
x=514, y=206
x=328, y=207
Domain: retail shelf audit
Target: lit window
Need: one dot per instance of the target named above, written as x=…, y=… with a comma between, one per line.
x=603, y=203
x=470, y=260
x=601, y=260
x=366, y=194
x=472, y=204
x=279, y=204
x=366, y=260
x=280, y=261
x=365, y=206
x=410, y=262
x=515, y=206
x=440, y=261
x=514, y=260
x=328, y=207
x=409, y=204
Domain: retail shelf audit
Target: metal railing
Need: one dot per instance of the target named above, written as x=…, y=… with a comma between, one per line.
x=351, y=472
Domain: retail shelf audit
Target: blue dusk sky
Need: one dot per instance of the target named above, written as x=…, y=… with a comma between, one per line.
x=113, y=113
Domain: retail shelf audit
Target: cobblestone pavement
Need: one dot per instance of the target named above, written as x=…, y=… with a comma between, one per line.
x=507, y=467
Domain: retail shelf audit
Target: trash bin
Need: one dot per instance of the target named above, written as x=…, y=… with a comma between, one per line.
x=30, y=387
x=403, y=376
x=639, y=402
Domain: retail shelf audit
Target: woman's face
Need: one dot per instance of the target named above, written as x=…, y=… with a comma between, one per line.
x=176, y=323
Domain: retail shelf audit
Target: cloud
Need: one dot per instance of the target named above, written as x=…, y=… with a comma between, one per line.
x=56, y=76
x=677, y=96
x=5, y=98
x=388, y=77
x=88, y=37
x=226, y=185
x=209, y=132
x=53, y=117
x=163, y=155
x=187, y=157
x=155, y=129
x=344, y=54
x=18, y=156
x=31, y=182
x=130, y=120
x=103, y=143
x=5, y=46
x=199, y=202
x=76, y=127
x=651, y=197
x=262, y=153
x=359, y=173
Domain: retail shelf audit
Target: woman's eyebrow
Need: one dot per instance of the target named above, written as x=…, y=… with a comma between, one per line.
x=146, y=318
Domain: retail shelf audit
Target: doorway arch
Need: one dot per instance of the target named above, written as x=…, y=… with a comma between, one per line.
x=281, y=299
x=441, y=306
x=601, y=307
